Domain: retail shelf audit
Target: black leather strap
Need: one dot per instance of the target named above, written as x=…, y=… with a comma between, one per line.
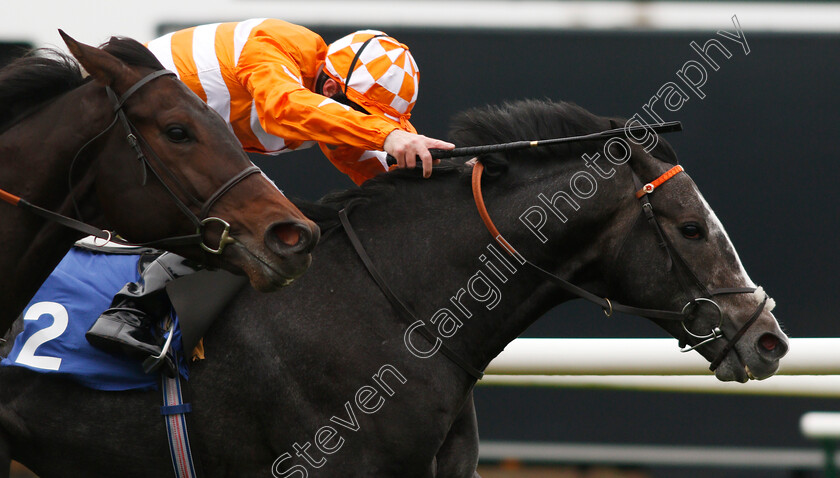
x=732, y=290
x=65, y=221
x=151, y=76
x=159, y=167
x=402, y=310
x=608, y=305
x=208, y=204
x=730, y=343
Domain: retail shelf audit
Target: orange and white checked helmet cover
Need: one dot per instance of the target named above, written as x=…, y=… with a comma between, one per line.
x=384, y=78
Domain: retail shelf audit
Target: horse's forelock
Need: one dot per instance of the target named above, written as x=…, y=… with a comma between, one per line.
x=132, y=52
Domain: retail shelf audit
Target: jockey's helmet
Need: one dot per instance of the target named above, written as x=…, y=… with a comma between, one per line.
x=376, y=72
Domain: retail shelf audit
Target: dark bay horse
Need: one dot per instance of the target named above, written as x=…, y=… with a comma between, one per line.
x=65, y=146
x=325, y=378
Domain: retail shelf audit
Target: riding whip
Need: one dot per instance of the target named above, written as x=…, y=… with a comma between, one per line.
x=667, y=127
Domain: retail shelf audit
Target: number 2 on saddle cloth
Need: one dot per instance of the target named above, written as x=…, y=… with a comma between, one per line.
x=56, y=319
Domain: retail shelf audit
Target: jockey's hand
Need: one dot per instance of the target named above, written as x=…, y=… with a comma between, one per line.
x=407, y=147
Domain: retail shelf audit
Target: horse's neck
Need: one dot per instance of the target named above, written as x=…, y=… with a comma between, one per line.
x=441, y=260
x=35, y=160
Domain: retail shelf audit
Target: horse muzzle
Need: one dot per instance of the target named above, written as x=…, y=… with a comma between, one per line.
x=757, y=355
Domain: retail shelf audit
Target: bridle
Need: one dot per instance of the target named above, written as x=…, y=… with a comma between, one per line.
x=153, y=162
x=610, y=306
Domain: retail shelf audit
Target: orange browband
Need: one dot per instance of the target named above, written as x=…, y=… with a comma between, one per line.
x=649, y=187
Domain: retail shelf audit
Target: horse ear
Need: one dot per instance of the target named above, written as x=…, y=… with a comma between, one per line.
x=101, y=65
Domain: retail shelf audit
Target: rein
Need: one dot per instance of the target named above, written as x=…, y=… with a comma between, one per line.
x=403, y=310
x=137, y=143
x=611, y=306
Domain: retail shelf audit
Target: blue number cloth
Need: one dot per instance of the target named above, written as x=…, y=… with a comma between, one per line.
x=64, y=308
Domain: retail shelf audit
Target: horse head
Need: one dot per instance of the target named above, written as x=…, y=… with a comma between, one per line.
x=677, y=256
x=200, y=179
x=619, y=223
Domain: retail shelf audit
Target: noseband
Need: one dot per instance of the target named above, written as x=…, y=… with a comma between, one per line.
x=609, y=306
x=153, y=162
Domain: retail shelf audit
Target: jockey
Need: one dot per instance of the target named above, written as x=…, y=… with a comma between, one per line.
x=281, y=88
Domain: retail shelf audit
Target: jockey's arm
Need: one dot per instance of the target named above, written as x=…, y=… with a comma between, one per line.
x=286, y=108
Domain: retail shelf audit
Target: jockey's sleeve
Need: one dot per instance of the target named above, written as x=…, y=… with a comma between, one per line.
x=359, y=164
x=268, y=67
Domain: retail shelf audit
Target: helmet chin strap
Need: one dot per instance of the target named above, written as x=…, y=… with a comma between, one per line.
x=356, y=60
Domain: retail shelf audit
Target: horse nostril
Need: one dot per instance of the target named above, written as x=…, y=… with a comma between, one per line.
x=312, y=234
x=292, y=237
x=288, y=233
x=768, y=341
x=771, y=347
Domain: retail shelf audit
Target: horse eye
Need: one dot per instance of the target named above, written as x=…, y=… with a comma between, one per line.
x=177, y=134
x=691, y=231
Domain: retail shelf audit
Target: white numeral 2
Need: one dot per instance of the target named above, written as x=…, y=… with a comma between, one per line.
x=27, y=352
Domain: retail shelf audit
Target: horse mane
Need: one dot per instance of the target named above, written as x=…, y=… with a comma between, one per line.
x=34, y=79
x=528, y=120
x=44, y=74
x=512, y=121
x=524, y=121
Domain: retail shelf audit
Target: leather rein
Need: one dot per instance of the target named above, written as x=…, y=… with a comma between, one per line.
x=152, y=161
x=606, y=304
